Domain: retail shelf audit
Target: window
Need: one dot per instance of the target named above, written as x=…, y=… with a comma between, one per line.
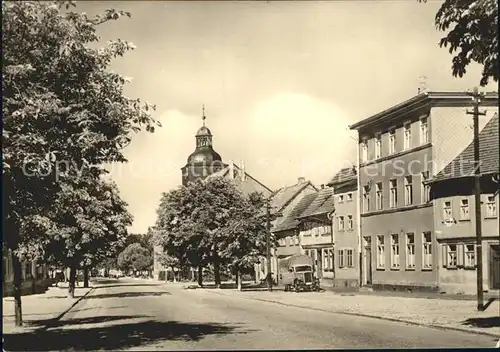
x=447, y=212
x=408, y=190
x=349, y=258
x=464, y=209
x=379, y=196
x=341, y=223
x=392, y=142
x=296, y=240
x=341, y=258
x=380, y=252
x=424, y=131
x=427, y=250
x=307, y=252
x=410, y=251
x=395, y=251
x=451, y=261
x=426, y=189
x=327, y=260
x=378, y=146
x=407, y=131
x=349, y=197
x=470, y=256
x=394, y=193
x=491, y=207
x=349, y=222
x=366, y=198
x=341, y=199
x=364, y=151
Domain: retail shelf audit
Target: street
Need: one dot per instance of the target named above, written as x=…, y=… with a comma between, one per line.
x=143, y=315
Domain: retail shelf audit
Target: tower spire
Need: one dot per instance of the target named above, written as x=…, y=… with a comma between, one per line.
x=203, y=113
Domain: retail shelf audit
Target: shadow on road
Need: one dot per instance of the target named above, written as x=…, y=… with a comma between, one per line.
x=98, y=285
x=128, y=295
x=55, y=323
x=95, y=308
x=489, y=322
x=115, y=337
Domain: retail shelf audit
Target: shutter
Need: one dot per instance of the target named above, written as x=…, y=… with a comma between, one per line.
x=444, y=255
x=460, y=255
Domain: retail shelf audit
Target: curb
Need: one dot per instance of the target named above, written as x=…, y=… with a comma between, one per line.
x=368, y=316
x=78, y=300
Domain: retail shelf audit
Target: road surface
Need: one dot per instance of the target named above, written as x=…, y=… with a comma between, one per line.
x=142, y=315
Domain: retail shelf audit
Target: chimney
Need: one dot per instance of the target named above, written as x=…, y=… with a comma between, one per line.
x=323, y=186
x=242, y=170
x=231, y=170
x=301, y=180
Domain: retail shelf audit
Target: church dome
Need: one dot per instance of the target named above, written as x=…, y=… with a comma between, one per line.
x=204, y=155
x=203, y=131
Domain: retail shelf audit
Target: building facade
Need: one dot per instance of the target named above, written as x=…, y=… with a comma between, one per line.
x=345, y=229
x=454, y=217
x=400, y=149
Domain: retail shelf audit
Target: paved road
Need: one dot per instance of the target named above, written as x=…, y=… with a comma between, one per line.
x=147, y=316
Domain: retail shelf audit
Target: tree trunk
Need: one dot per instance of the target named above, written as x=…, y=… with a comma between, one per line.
x=217, y=272
x=173, y=274
x=86, y=277
x=72, y=279
x=200, y=275
x=238, y=278
x=33, y=277
x=16, y=266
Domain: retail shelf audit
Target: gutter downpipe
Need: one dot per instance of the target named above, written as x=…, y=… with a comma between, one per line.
x=358, y=213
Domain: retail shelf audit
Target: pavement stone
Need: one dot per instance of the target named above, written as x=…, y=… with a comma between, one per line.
x=40, y=307
x=449, y=314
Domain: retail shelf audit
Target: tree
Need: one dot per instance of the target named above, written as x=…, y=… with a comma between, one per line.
x=472, y=27
x=135, y=257
x=63, y=111
x=88, y=222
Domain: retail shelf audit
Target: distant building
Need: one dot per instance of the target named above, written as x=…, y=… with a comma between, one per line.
x=345, y=230
x=454, y=216
x=316, y=235
x=400, y=149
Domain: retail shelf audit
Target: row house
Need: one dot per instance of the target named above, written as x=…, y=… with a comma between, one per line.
x=400, y=150
x=316, y=235
x=345, y=223
x=454, y=216
x=286, y=202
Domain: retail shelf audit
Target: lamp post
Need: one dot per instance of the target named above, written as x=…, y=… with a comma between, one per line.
x=476, y=99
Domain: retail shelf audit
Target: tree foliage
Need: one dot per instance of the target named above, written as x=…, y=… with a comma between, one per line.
x=135, y=257
x=472, y=35
x=211, y=221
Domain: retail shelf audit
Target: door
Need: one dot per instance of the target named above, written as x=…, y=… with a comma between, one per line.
x=368, y=265
x=494, y=267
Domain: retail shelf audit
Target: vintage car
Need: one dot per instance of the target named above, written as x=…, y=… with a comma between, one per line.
x=296, y=273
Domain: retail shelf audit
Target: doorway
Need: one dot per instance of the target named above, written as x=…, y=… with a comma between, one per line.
x=494, y=267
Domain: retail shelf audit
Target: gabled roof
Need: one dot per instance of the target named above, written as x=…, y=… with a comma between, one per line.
x=290, y=220
x=463, y=164
x=344, y=175
x=322, y=203
x=245, y=187
x=286, y=194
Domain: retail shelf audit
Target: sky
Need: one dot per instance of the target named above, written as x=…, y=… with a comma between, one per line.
x=280, y=81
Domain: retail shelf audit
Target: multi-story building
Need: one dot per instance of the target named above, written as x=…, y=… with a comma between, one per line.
x=400, y=149
x=316, y=235
x=345, y=229
x=455, y=218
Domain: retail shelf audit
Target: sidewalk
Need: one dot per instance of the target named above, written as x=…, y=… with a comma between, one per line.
x=451, y=314
x=40, y=307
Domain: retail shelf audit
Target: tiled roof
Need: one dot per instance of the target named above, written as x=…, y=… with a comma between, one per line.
x=323, y=203
x=245, y=187
x=463, y=164
x=286, y=194
x=290, y=221
x=346, y=174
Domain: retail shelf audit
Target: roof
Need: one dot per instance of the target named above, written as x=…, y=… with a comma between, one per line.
x=245, y=187
x=286, y=194
x=290, y=221
x=420, y=100
x=322, y=203
x=463, y=164
x=344, y=175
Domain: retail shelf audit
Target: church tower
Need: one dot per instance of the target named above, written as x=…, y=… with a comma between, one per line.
x=204, y=160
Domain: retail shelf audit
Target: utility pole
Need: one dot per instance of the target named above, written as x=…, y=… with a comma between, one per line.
x=268, y=243
x=476, y=98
